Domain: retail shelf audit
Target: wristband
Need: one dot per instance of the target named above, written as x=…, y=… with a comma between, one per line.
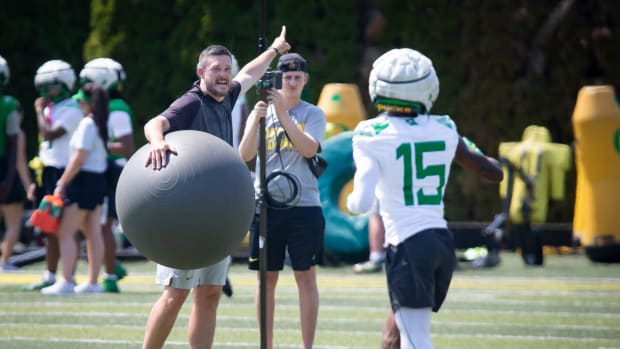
x=275, y=49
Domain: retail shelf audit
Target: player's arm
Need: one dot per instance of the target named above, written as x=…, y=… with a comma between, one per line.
x=22, y=166
x=48, y=132
x=471, y=158
x=123, y=144
x=365, y=180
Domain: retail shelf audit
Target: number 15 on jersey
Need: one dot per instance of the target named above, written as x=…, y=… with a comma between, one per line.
x=413, y=178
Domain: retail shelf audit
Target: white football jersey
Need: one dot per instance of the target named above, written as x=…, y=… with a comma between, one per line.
x=66, y=114
x=405, y=162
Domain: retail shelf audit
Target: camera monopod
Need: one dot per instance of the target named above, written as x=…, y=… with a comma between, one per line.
x=262, y=199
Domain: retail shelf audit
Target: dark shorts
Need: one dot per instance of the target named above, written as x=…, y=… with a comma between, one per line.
x=419, y=270
x=50, y=176
x=112, y=174
x=87, y=189
x=16, y=192
x=298, y=229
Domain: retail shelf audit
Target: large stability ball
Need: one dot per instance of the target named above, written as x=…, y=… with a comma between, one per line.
x=191, y=213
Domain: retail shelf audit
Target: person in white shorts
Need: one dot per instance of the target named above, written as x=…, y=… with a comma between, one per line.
x=205, y=107
x=188, y=279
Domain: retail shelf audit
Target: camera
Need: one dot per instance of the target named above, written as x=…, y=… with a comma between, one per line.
x=271, y=80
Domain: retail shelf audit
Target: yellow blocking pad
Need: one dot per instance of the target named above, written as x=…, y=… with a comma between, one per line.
x=545, y=162
x=332, y=129
x=342, y=104
x=596, y=125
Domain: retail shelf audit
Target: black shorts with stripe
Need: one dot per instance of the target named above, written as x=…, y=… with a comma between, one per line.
x=299, y=230
x=419, y=269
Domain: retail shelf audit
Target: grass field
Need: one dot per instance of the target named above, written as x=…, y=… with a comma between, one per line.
x=569, y=303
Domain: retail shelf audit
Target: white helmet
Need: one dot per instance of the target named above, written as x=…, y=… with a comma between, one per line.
x=103, y=71
x=404, y=74
x=55, y=72
x=5, y=73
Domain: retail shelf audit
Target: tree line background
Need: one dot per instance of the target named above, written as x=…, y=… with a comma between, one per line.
x=502, y=65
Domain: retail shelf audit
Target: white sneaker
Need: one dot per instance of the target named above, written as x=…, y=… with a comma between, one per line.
x=8, y=267
x=59, y=288
x=87, y=287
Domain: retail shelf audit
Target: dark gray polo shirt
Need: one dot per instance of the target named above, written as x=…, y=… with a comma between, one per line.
x=197, y=111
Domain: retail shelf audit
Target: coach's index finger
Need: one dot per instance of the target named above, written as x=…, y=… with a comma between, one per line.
x=283, y=32
x=280, y=44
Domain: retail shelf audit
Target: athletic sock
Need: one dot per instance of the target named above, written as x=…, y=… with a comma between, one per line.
x=377, y=257
x=49, y=276
x=415, y=327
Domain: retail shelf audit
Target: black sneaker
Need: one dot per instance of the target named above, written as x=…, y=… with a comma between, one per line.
x=227, y=289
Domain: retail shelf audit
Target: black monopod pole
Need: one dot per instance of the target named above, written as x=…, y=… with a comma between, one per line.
x=262, y=196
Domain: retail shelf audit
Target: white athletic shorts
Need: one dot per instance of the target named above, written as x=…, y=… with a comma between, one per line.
x=187, y=279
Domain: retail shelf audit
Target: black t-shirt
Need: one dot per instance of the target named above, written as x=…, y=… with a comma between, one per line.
x=197, y=111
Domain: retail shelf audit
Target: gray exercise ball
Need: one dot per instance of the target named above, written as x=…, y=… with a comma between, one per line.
x=191, y=213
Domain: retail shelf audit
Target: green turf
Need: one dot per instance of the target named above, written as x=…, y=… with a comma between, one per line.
x=570, y=303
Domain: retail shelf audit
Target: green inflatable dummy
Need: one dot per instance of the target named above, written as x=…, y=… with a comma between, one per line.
x=346, y=235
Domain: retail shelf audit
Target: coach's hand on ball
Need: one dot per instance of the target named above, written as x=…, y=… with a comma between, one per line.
x=157, y=154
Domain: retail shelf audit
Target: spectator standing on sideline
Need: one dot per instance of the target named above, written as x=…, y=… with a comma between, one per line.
x=110, y=74
x=58, y=115
x=14, y=175
x=207, y=107
x=82, y=187
x=294, y=131
x=404, y=157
